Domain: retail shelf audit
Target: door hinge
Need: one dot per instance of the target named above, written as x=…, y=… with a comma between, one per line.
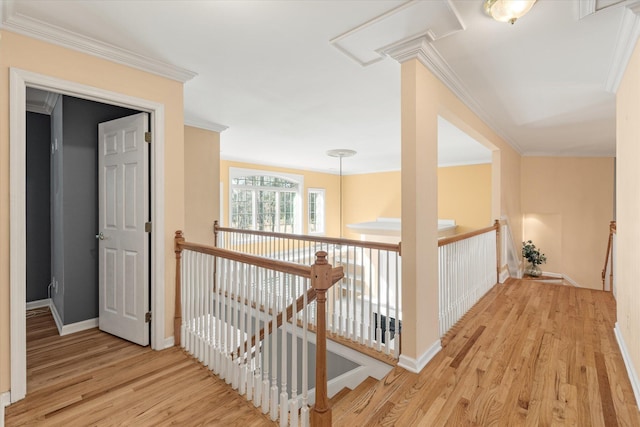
x=147, y=137
x=147, y=227
x=147, y=317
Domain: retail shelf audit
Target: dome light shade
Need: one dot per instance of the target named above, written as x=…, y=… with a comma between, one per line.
x=507, y=10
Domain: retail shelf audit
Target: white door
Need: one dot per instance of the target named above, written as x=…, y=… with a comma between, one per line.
x=123, y=208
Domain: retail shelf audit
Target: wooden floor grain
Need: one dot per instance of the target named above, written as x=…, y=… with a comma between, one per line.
x=528, y=354
x=94, y=379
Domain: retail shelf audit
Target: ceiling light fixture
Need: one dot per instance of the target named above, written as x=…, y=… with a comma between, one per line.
x=341, y=153
x=507, y=10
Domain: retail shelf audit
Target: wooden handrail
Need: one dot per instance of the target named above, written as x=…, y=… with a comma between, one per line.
x=177, y=317
x=329, y=240
x=496, y=225
x=609, y=255
x=299, y=304
x=322, y=276
x=258, y=261
x=463, y=236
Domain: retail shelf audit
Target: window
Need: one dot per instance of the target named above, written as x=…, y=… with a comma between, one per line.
x=316, y=211
x=264, y=201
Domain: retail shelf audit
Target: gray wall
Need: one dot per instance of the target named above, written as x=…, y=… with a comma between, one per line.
x=38, y=218
x=79, y=223
x=57, y=229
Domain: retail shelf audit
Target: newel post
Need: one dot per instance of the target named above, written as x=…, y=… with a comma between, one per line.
x=496, y=224
x=321, y=281
x=216, y=225
x=177, y=317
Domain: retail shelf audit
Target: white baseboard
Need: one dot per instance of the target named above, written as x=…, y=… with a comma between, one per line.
x=504, y=275
x=79, y=326
x=168, y=343
x=633, y=376
x=73, y=327
x=350, y=380
x=56, y=317
x=561, y=278
x=39, y=303
x=416, y=365
x=5, y=399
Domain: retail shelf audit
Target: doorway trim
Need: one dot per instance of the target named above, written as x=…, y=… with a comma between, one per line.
x=19, y=80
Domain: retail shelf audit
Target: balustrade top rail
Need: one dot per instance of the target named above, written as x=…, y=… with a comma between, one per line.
x=329, y=240
x=271, y=264
x=322, y=277
x=463, y=236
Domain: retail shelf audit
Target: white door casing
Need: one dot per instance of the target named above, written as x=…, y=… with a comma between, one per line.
x=123, y=207
x=18, y=81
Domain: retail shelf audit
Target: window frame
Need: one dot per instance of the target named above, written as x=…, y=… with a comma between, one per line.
x=297, y=205
x=322, y=212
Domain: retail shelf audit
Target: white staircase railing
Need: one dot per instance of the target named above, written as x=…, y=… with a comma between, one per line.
x=241, y=315
x=365, y=306
x=467, y=270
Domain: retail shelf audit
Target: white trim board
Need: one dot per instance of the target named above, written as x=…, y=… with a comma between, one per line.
x=19, y=80
x=13, y=20
x=39, y=304
x=72, y=327
x=5, y=399
x=416, y=365
x=631, y=372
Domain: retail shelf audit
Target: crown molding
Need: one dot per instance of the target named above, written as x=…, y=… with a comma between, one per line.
x=44, y=107
x=627, y=38
x=206, y=125
x=423, y=50
x=586, y=8
x=12, y=20
x=365, y=42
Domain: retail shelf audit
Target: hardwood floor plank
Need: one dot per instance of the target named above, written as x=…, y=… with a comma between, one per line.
x=529, y=353
x=92, y=378
x=546, y=356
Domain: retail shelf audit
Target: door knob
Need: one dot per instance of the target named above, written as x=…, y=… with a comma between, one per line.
x=100, y=236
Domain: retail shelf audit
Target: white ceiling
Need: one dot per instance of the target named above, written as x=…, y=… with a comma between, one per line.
x=293, y=79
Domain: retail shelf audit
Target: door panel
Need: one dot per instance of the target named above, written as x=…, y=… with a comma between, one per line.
x=123, y=211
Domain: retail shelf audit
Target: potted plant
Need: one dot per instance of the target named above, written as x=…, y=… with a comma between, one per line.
x=534, y=257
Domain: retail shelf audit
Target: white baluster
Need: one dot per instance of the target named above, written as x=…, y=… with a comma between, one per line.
x=274, y=350
x=267, y=337
x=183, y=298
x=192, y=292
x=304, y=412
x=293, y=404
x=378, y=313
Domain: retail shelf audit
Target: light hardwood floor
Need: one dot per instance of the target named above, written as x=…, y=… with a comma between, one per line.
x=529, y=353
x=94, y=379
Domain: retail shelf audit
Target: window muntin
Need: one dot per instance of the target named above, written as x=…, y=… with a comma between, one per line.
x=264, y=201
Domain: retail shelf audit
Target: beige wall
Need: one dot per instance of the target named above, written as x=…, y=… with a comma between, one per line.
x=568, y=203
x=201, y=184
x=33, y=55
x=424, y=97
x=329, y=182
x=464, y=194
x=627, y=268
x=370, y=196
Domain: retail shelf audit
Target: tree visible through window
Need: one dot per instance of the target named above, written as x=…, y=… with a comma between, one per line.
x=264, y=202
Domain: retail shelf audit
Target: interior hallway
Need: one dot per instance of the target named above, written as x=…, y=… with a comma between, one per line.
x=529, y=353
x=93, y=378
